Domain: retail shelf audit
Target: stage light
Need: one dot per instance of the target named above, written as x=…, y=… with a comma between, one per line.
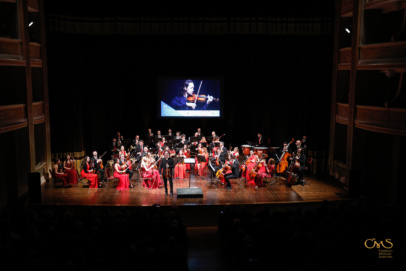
x=31, y=23
x=348, y=29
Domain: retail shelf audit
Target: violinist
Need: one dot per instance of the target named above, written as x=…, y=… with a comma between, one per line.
x=59, y=172
x=160, y=148
x=68, y=166
x=166, y=168
x=122, y=152
x=96, y=165
x=126, y=164
x=266, y=171
x=148, y=168
x=120, y=174
x=87, y=173
x=236, y=153
x=181, y=102
x=250, y=163
x=235, y=170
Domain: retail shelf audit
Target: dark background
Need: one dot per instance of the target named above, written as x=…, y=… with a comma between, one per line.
x=278, y=85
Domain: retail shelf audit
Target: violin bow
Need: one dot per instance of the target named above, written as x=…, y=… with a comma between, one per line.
x=198, y=91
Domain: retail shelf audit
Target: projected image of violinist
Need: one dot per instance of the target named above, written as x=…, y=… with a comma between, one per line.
x=190, y=97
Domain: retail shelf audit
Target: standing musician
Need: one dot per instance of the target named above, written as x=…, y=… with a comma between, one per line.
x=158, y=134
x=135, y=143
x=139, y=151
x=199, y=133
x=166, y=168
x=87, y=173
x=114, y=148
x=126, y=163
x=235, y=168
x=68, y=166
x=96, y=165
x=59, y=172
x=120, y=174
x=300, y=159
x=149, y=137
x=180, y=102
x=260, y=142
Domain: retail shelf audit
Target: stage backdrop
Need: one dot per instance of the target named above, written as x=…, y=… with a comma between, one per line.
x=103, y=75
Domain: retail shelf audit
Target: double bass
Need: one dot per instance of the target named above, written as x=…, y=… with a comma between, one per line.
x=283, y=160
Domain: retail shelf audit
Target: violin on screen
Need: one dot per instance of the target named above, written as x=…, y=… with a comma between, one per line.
x=199, y=98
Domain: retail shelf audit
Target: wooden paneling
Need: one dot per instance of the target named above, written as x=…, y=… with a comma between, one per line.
x=38, y=112
x=342, y=113
x=35, y=50
x=347, y=8
x=10, y=47
x=12, y=117
x=344, y=58
x=385, y=5
x=381, y=119
x=389, y=53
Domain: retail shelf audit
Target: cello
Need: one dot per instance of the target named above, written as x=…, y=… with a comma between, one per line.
x=283, y=160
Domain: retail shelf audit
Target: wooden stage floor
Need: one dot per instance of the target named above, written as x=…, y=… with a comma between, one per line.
x=277, y=192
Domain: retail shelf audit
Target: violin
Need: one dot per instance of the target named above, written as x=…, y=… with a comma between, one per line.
x=168, y=173
x=254, y=171
x=199, y=98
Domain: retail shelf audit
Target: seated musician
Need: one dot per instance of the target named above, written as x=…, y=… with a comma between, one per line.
x=235, y=170
x=96, y=164
x=199, y=133
x=300, y=157
x=180, y=102
x=87, y=172
x=177, y=136
x=149, y=137
x=186, y=152
x=236, y=153
x=180, y=168
x=266, y=171
x=160, y=148
x=202, y=165
x=251, y=162
x=203, y=140
x=126, y=163
x=217, y=161
x=122, y=151
x=149, y=170
x=170, y=134
x=69, y=168
x=158, y=134
x=120, y=174
x=59, y=172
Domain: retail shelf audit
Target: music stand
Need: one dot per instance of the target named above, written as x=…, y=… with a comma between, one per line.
x=178, y=160
x=190, y=161
x=204, y=144
x=201, y=159
x=211, y=182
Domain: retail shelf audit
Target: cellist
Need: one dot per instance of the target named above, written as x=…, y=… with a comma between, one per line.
x=299, y=164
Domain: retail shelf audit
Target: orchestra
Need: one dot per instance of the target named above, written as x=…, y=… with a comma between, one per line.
x=212, y=158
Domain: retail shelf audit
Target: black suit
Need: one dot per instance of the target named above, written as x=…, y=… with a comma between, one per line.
x=302, y=167
x=235, y=168
x=140, y=149
x=162, y=168
x=260, y=142
x=96, y=165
